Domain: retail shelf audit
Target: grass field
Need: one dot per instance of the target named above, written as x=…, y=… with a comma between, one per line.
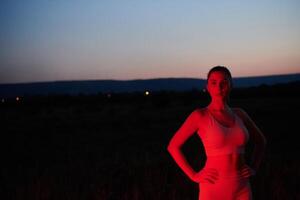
x=95, y=147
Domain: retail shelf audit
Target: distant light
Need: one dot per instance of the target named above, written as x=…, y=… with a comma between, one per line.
x=17, y=98
x=147, y=93
x=2, y=100
x=108, y=95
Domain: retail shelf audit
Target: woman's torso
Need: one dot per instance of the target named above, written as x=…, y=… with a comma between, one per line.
x=224, y=145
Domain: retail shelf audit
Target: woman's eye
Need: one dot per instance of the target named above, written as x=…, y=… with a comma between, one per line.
x=224, y=83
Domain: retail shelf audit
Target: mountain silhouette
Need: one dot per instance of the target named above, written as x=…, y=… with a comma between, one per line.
x=121, y=86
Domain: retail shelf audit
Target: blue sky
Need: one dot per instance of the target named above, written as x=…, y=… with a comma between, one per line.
x=78, y=40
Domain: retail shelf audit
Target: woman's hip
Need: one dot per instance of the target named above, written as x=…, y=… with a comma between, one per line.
x=226, y=188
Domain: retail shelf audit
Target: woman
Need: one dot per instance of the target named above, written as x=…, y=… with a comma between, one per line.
x=224, y=132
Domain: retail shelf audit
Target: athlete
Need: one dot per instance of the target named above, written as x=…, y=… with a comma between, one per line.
x=224, y=132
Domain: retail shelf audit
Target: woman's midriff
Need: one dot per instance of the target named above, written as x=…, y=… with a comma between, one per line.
x=227, y=165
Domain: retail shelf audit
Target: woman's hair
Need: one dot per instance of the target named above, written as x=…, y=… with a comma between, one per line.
x=220, y=69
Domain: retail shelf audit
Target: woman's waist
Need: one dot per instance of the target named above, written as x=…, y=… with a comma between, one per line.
x=226, y=165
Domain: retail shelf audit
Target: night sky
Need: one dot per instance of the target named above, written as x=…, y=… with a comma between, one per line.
x=139, y=39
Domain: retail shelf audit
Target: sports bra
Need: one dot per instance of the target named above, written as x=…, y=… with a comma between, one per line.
x=218, y=139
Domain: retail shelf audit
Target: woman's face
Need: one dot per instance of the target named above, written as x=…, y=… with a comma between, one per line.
x=218, y=85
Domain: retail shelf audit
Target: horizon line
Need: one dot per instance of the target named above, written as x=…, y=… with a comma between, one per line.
x=140, y=79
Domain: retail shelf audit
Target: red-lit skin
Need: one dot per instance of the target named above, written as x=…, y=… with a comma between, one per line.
x=219, y=87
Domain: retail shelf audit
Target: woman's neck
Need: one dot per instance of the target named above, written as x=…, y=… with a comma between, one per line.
x=218, y=105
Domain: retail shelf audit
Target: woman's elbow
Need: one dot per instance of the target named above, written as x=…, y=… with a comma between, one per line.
x=264, y=140
x=172, y=147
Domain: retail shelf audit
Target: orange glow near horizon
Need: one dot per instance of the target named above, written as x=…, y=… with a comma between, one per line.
x=130, y=41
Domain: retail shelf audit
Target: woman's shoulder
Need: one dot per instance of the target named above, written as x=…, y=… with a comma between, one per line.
x=200, y=113
x=201, y=116
x=241, y=113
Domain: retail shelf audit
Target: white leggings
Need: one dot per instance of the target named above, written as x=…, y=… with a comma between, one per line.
x=226, y=189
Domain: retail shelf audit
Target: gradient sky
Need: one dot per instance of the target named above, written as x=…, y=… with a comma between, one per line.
x=139, y=39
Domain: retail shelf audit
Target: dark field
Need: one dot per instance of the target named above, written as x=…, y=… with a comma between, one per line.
x=95, y=147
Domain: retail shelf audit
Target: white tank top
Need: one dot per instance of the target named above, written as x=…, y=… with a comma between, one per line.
x=221, y=140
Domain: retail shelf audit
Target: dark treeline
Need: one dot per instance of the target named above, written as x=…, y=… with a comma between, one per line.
x=291, y=89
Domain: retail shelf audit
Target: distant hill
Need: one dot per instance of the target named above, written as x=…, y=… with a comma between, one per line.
x=118, y=86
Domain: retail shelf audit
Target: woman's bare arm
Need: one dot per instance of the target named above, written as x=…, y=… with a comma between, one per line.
x=258, y=137
x=187, y=129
